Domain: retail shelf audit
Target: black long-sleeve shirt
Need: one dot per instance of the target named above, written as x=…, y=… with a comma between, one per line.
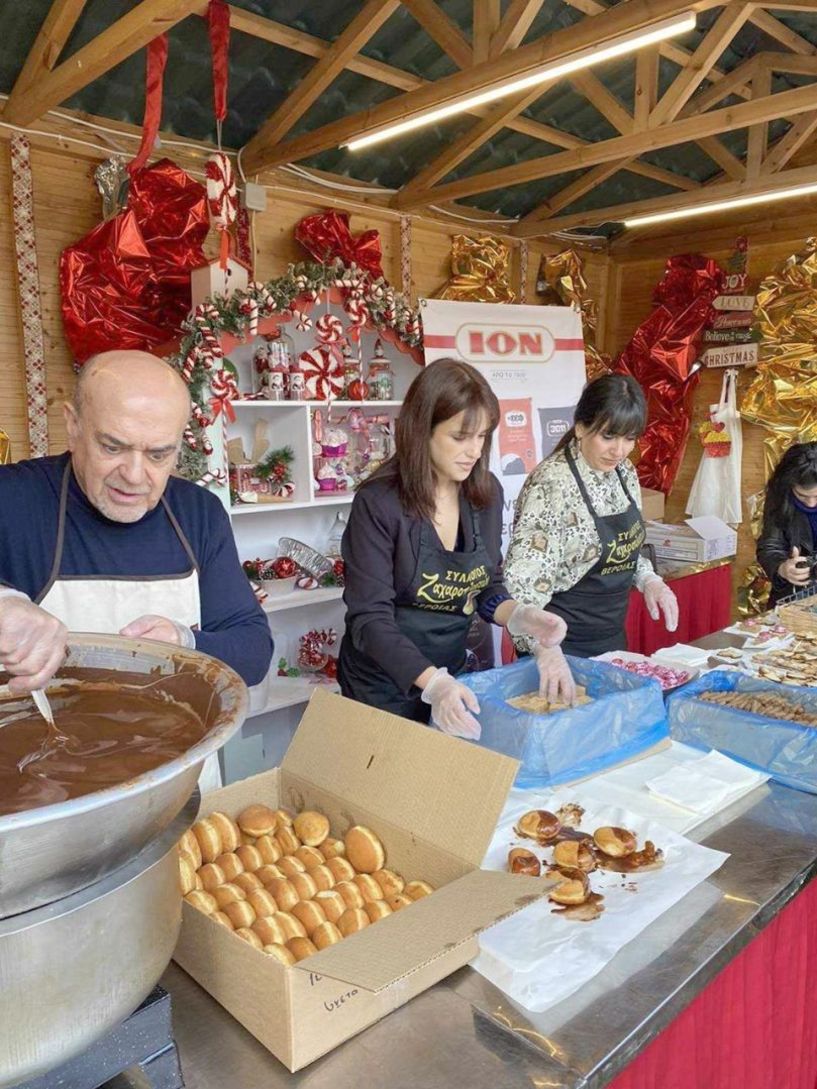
x=775, y=545
x=380, y=549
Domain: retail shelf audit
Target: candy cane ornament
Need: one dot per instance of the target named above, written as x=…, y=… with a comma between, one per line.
x=222, y=199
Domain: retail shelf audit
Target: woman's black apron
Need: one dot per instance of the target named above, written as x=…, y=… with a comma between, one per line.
x=434, y=612
x=595, y=609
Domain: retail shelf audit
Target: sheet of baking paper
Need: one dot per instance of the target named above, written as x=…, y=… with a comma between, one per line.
x=627, y=786
x=538, y=958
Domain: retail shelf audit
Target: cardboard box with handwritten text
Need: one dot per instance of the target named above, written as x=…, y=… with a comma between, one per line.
x=434, y=801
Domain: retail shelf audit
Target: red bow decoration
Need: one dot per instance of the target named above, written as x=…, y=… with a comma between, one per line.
x=126, y=284
x=327, y=236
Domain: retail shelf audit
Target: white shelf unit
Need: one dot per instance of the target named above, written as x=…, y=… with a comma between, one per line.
x=307, y=517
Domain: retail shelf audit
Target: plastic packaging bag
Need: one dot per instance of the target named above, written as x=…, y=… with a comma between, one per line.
x=716, y=487
x=626, y=716
x=787, y=751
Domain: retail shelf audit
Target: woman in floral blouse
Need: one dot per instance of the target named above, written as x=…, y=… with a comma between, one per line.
x=576, y=546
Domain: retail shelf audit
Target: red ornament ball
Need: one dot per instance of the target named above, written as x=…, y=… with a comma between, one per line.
x=358, y=390
x=284, y=567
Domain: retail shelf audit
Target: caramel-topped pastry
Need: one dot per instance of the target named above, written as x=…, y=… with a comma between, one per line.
x=540, y=825
x=575, y=854
x=574, y=888
x=615, y=842
x=520, y=860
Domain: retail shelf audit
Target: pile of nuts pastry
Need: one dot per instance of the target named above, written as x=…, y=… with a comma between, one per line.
x=284, y=885
x=576, y=854
x=793, y=664
x=762, y=703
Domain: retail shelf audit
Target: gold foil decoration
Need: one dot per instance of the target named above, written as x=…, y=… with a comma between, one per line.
x=783, y=395
x=560, y=282
x=5, y=449
x=480, y=271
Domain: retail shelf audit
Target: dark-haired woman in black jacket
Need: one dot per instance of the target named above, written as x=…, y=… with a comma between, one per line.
x=787, y=548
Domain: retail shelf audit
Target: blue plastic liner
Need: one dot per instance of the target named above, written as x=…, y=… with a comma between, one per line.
x=626, y=717
x=784, y=750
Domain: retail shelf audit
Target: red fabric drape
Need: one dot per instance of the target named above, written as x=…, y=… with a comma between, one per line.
x=154, y=76
x=218, y=29
x=753, y=1027
x=704, y=606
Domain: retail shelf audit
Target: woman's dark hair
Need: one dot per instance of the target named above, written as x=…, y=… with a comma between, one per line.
x=613, y=403
x=441, y=390
x=796, y=469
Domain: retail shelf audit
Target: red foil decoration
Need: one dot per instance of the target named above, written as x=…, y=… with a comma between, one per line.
x=154, y=81
x=327, y=236
x=126, y=284
x=660, y=356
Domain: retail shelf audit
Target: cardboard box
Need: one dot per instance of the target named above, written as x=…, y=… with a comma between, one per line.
x=697, y=540
x=434, y=801
x=652, y=505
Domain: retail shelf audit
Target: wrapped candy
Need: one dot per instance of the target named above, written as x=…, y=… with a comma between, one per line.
x=480, y=271
x=126, y=284
x=660, y=356
x=560, y=282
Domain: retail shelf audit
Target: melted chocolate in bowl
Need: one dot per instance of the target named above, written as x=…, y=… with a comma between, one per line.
x=106, y=733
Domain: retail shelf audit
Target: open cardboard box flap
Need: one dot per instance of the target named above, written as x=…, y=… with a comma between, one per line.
x=436, y=924
x=448, y=792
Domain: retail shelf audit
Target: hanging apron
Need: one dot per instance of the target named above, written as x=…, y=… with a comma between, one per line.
x=106, y=604
x=595, y=609
x=434, y=612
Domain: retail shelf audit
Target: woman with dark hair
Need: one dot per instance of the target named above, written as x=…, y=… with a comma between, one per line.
x=788, y=542
x=576, y=545
x=422, y=554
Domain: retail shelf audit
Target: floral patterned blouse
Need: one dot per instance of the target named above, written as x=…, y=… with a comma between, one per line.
x=554, y=542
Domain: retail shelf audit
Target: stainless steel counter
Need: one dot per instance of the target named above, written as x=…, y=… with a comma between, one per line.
x=464, y=1032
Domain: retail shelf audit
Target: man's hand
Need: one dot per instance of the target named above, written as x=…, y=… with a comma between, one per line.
x=32, y=644
x=161, y=628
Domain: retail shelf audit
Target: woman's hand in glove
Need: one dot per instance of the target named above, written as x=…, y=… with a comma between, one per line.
x=658, y=596
x=546, y=628
x=555, y=679
x=451, y=704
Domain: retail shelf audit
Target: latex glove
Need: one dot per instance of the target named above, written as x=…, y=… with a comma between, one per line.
x=658, y=596
x=451, y=703
x=546, y=628
x=555, y=679
x=161, y=628
x=788, y=569
x=32, y=643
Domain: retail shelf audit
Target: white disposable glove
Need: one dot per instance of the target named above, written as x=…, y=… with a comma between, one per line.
x=546, y=628
x=658, y=596
x=161, y=628
x=788, y=569
x=32, y=642
x=555, y=679
x=450, y=705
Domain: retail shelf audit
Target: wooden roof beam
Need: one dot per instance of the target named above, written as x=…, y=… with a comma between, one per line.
x=758, y=134
x=781, y=33
x=739, y=77
x=486, y=18
x=790, y=143
x=443, y=30
x=127, y=35
x=725, y=27
x=620, y=212
x=577, y=188
x=646, y=85
x=363, y=26
x=516, y=22
x=624, y=18
x=785, y=104
x=606, y=103
x=45, y=52
x=731, y=165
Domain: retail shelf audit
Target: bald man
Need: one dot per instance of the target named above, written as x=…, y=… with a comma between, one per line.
x=104, y=539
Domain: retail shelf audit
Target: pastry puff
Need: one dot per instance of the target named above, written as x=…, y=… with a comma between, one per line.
x=331, y=848
x=280, y=952
x=287, y=840
x=263, y=902
x=190, y=844
x=323, y=877
x=228, y=831
x=301, y=948
x=325, y=935
x=240, y=913
x=250, y=857
x=332, y=903
x=309, y=914
x=400, y=901
x=222, y=920
x=340, y=868
x=289, y=864
x=211, y=876
x=311, y=828
x=187, y=874
x=268, y=849
x=310, y=857
x=208, y=839
x=257, y=820
x=416, y=890
x=249, y=882
x=377, y=909
x=249, y=936
x=303, y=885
x=390, y=882
x=364, y=850
x=228, y=894
x=369, y=888
x=202, y=901
x=352, y=920
x=269, y=872
x=352, y=896
x=231, y=864
x=293, y=927
x=271, y=931
x=286, y=897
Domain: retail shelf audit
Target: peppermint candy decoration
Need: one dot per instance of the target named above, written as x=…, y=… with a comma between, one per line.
x=329, y=329
x=358, y=313
x=222, y=199
x=303, y=323
x=323, y=373
x=216, y=476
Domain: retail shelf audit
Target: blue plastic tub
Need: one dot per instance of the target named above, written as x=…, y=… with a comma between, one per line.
x=626, y=716
x=784, y=750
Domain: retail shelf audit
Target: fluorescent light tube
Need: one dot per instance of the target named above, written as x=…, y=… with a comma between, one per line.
x=722, y=205
x=617, y=47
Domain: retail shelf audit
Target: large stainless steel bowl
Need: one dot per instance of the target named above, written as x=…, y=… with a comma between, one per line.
x=73, y=970
x=53, y=851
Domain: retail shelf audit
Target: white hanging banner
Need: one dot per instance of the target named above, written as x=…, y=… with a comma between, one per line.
x=533, y=359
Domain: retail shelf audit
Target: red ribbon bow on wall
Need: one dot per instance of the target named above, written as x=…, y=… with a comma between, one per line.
x=327, y=236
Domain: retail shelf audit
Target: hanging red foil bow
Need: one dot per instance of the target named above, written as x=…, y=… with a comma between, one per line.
x=126, y=284
x=327, y=236
x=660, y=356
x=154, y=78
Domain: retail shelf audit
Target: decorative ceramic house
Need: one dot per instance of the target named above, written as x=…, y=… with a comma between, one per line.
x=212, y=279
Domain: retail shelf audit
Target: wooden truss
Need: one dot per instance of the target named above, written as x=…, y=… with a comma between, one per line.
x=703, y=102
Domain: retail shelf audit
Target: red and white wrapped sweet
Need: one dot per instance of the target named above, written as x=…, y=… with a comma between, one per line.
x=322, y=368
x=222, y=198
x=329, y=329
x=666, y=677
